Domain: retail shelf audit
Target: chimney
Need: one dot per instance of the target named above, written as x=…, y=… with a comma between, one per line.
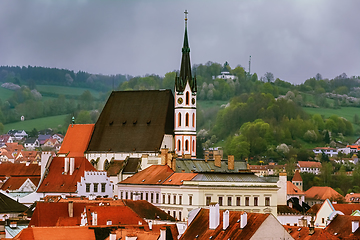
x=94, y=218
x=71, y=208
x=164, y=156
x=214, y=216
x=231, y=162
x=162, y=234
x=243, y=220
x=217, y=162
x=206, y=157
x=112, y=236
x=354, y=225
x=72, y=165
x=150, y=225
x=108, y=222
x=173, y=164
x=66, y=165
x=83, y=219
x=27, y=164
x=225, y=219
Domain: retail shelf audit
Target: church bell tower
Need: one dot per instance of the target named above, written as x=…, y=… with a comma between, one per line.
x=185, y=104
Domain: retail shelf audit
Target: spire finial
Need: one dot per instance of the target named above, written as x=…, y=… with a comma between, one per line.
x=186, y=13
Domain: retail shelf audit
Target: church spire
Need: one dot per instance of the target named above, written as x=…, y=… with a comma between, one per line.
x=185, y=69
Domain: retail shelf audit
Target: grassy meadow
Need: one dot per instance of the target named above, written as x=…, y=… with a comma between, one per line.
x=39, y=123
x=5, y=94
x=64, y=90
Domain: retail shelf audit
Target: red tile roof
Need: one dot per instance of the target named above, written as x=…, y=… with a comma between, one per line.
x=178, y=178
x=200, y=226
x=10, y=169
x=47, y=214
x=352, y=197
x=347, y=208
x=297, y=177
x=57, y=182
x=146, y=210
x=115, y=167
x=342, y=226
x=314, y=209
x=323, y=193
x=76, y=140
x=14, y=147
x=302, y=233
x=143, y=232
x=14, y=183
x=56, y=233
x=309, y=164
x=284, y=209
x=118, y=215
x=154, y=174
x=293, y=190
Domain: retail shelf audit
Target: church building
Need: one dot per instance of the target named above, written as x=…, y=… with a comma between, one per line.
x=138, y=124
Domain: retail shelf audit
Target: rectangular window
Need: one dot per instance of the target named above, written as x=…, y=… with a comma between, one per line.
x=220, y=201
x=169, y=199
x=147, y=196
x=131, y=195
x=96, y=187
x=87, y=187
x=157, y=197
x=229, y=201
x=174, y=214
x=323, y=220
x=103, y=186
x=142, y=196
x=190, y=200
x=121, y=195
x=179, y=216
x=164, y=198
x=152, y=198
x=174, y=199
x=126, y=195
x=208, y=201
x=247, y=201
x=180, y=199
x=267, y=201
x=238, y=201
x=256, y=202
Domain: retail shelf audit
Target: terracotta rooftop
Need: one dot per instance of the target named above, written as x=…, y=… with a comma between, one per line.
x=284, y=209
x=178, y=178
x=56, y=233
x=57, y=182
x=302, y=233
x=76, y=140
x=115, y=167
x=309, y=164
x=155, y=174
x=297, y=177
x=352, y=197
x=314, y=209
x=323, y=193
x=10, y=169
x=341, y=225
x=142, y=232
x=347, y=208
x=199, y=227
x=14, y=183
x=293, y=190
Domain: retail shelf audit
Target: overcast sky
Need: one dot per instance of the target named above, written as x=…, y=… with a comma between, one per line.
x=293, y=39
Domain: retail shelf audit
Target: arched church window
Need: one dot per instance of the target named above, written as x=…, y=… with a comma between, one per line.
x=93, y=162
x=179, y=119
x=186, y=145
x=187, y=98
x=187, y=119
x=193, y=146
x=106, y=164
x=193, y=120
x=179, y=145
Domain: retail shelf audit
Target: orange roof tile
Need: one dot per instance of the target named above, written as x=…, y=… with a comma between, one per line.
x=352, y=197
x=117, y=214
x=56, y=233
x=200, y=226
x=309, y=164
x=143, y=231
x=323, y=193
x=14, y=183
x=11, y=169
x=57, y=182
x=147, y=210
x=178, y=178
x=297, y=177
x=341, y=225
x=154, y=174
x=302, y=233
x=293, y=190
x=76, y=140
x=347, y=208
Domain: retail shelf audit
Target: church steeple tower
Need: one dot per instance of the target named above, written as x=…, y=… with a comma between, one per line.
x=185, y=104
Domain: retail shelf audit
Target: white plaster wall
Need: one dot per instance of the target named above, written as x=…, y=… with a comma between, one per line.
x=271, y=229
x=282, y=192
x=285, y=219
x=95, y=177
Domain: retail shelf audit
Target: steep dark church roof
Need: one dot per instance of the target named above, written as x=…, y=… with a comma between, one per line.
x=185, y=69
x=134, y=121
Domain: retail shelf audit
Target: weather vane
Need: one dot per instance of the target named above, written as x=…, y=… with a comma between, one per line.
x=186, y=13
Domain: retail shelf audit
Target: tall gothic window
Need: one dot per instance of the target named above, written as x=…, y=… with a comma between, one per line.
x=193, y=120
x=179, y=119
x=193, y=146
x=187, y=98
x=187, y=119
x=106, y=164
x=179, y=145
x=186, y=145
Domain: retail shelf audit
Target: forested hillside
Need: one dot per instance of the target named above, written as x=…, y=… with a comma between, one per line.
x=248, y=116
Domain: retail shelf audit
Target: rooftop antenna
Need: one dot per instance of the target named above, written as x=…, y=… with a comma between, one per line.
x=249, y=64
